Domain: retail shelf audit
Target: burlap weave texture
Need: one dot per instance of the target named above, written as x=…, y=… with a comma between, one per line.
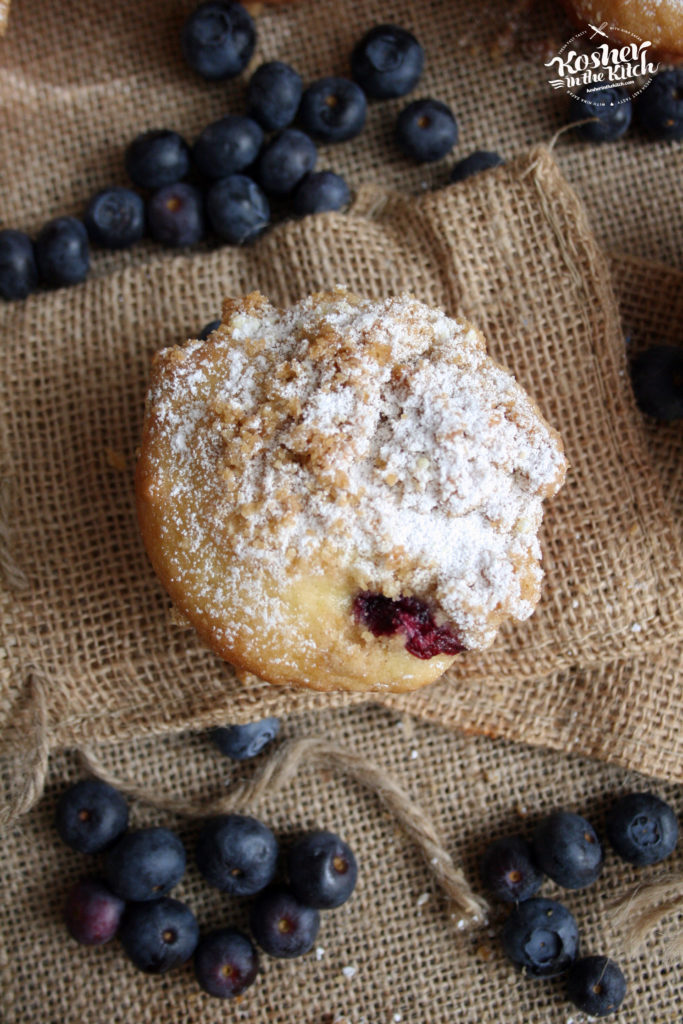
x=93, y=621
x=78, y=79
x=650, y=297
x=503, y=249
x=403, y=958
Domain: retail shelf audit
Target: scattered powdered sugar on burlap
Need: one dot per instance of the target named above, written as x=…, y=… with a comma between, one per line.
x=380, y=431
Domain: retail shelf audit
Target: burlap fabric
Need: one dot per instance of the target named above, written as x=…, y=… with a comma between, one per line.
x=404, y=959
x=650, y=297
x=596, y=670
x=93, y=621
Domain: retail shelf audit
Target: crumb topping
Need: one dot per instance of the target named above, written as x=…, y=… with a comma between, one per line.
x=373, y=440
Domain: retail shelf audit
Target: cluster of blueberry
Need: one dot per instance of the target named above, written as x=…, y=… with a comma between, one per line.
x=607, y=113
x=541, y=936
x=235, y=853
x=218, y=41
x=239, y=165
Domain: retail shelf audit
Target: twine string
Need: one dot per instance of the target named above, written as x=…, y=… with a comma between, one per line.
x=642, y=910
x=638, y=913
x=281, y=768
x=30, y=767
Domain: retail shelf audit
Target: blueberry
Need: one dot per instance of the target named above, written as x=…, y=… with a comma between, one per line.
x=409, y=616
x=156, y=158
x=62, y=252
x=541, y=936
x=480, y=160
x=92, y=912
x=426, y=130
x=91, y=815
x=281, y=924
x=387, y=62
x=240, y=742
x=596, y=985
x=175, y=215
x=227, y=146
x=237, y=209
x=237, y=854
x=659, y=108
x=115, y=218
x=333, y=109
x=160, y=935
x=508, y=870
x=322, y=870
x=206, y=330
x=225, y=963
x=612, y=108
x=657, y=379
x=319, y=192
x=642, y=828
x=273, y=95
x=218, y=39
x=284, y=160
x=18, y=270
x=568, y=850
x=145, y=865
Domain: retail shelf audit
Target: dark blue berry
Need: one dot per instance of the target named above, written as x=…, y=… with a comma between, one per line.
x=115, y=218
x=333, y=109
x=92, y=912
x=208, y=329
x=218, y=39
x=642, y=828
x=237, y=854
x=319, y=192
x=237, y=209
x=657, y=378
x=240, y=742
x=281, y=924
x=227, y=146
x=160, y=935
x=611, y=106
x=387, y=62
x=541, y=936
x=426, y=130
x=273, y=95
x=409, y=616
x=157, y=158
x=659, y=108
x=145, y=865
x=322, y=870
x=568, y=850
x=62, y=252
x=91, y=815
x=225, y=963
x=175, y=215
x=284, y=160
x=18, y=270
x=508, y=870
x=480, y=160
x=596, y=985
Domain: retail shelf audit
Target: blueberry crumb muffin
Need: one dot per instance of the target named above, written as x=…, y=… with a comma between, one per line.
x=345, y=494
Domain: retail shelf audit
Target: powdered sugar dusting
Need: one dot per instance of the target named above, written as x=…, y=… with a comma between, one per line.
x=376, y=440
